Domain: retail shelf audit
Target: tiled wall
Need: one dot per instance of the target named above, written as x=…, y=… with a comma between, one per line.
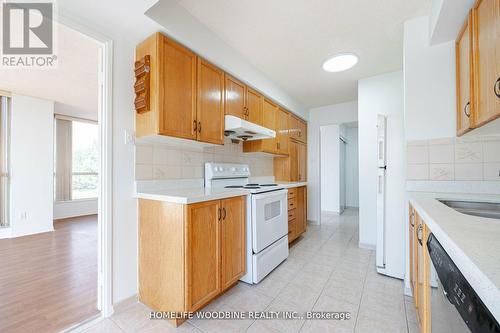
x=160, y=162
x=469, y=158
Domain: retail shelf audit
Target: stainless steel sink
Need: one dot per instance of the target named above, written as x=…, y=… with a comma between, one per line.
x=475, y=208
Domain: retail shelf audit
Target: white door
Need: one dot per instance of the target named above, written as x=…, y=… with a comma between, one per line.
x=381, y=185
x=269, y=218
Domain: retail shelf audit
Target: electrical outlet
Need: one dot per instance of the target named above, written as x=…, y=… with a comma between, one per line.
x=129, y=137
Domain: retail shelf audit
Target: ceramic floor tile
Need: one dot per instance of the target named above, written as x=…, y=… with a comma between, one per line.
x=133, y=318
x=325, y=271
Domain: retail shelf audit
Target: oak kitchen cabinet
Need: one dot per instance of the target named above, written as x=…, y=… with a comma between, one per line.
x=242, y=101
x=478, y=67
x=297, y=212
x=282, y=126
x=180, y=95
x=210, y=110
x=185, y=93
x=420, y=270
x=270, y=118
x=189, y=254
x=294, y=166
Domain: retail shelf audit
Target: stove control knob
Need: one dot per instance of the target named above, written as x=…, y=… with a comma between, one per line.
x=233, y=169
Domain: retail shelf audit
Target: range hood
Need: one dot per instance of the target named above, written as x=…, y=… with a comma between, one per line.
x=240, y=129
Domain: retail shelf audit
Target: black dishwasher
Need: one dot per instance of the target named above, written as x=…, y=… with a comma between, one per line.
x=463, y=304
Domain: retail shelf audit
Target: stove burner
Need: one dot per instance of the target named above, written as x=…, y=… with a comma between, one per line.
x=268, y=184
x=250, y=184
x=251, y=187
x=233, y=186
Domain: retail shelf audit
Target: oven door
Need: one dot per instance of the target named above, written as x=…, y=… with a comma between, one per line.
x=269, y=218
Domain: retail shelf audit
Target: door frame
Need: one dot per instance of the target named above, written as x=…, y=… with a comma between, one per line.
x=105, y=197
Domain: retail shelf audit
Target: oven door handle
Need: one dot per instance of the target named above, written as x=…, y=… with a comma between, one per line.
x=269, y=194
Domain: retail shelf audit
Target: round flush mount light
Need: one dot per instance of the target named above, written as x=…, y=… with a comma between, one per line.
x=340, y=62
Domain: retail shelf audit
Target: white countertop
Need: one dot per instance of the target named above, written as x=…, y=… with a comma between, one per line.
x=197, y=194
x=473, y=243
x=291, y=184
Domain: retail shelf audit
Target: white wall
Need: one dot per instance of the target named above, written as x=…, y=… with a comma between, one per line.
x=382, y=94
x=32, y=165
x=429, y=84
x=352, y=167
x=322, y=116
x=330, y=168
x=65, y=209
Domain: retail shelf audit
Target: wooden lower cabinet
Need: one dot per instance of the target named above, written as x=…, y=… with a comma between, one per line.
x=420, y=270
x=233, y=240
x=297, y=212
x=203, y=253
x=189, y=254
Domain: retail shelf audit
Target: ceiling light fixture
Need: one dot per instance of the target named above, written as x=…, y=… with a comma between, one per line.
x=340, y=62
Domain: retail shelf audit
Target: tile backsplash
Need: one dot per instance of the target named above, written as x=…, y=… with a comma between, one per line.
x=160, y=162
x=454, y=159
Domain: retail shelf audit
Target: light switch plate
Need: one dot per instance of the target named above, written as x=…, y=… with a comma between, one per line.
x=129, y=137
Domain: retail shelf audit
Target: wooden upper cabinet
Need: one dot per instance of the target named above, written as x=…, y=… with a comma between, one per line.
x=178, y=93
x=302, y=162
x=302, y=131
x=203, y=275
x=269, y=114
x=282, y=127
x=294, y=162
x=235, y=99
x=210, y=111
x=254, y=105
x=465, y=105
x=172, y=88
x=486, y=48
x=294, y=127
x=233, y=242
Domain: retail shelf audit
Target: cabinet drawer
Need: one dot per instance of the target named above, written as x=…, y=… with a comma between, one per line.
x=292, y=214
x=292, y=193
x=292, y=203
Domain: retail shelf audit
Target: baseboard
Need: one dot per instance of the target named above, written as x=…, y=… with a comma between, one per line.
x=314, y=222
x=408, y=291
x=5, y=233
x=367, y=246
x=330, y=212
x=125, y=303
x=35, y=232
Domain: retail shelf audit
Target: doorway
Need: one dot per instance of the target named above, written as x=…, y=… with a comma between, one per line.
x=91, y=230
x=338, y=169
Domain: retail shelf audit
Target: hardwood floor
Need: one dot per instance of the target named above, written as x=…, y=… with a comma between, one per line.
x=48, y=281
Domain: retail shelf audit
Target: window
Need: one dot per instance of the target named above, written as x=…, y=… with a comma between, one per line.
x=4, y=160
x=77, y=160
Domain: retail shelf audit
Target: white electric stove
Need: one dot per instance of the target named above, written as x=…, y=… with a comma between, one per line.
x=267, y=217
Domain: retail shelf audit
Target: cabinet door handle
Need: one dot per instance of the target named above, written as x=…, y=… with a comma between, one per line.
x=195, y=126
x=224, y=212
x=467, y=109
x=220, y=214
x=419, y=234
x=199, y=127
x=412, y=219
x=496, y=88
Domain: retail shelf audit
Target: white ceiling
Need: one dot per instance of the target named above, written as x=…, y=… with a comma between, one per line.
x=73, y=85
x=289, y=39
